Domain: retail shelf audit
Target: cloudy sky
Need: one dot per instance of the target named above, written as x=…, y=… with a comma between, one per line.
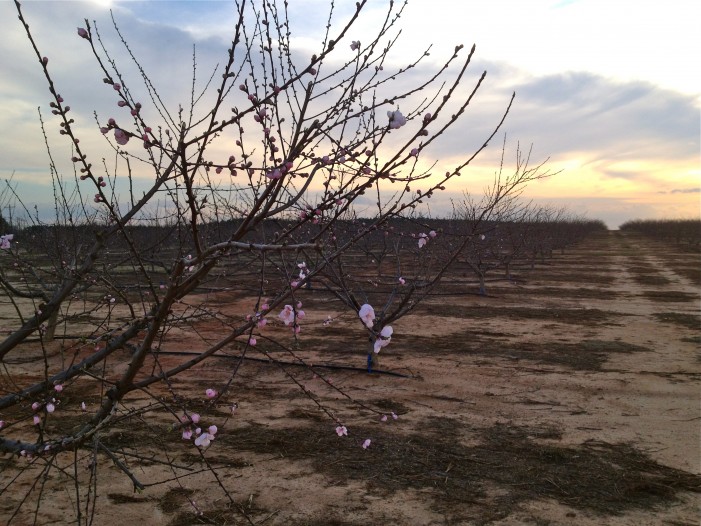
x=607, y=91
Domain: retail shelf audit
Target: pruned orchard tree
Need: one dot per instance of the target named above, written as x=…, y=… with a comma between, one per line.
x=103, y=291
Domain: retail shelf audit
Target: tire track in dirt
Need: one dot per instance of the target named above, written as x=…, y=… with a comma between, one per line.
x=630, y=253
x=657, y=386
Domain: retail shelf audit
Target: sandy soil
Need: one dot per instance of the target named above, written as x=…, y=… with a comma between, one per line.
x=568, y=396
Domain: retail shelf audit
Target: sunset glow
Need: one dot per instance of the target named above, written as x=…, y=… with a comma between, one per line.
x=603, y=91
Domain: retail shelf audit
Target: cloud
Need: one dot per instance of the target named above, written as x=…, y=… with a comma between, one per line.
x=586, y=112
x=685, y=191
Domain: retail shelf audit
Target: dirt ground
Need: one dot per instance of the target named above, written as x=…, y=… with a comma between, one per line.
x=570, y=395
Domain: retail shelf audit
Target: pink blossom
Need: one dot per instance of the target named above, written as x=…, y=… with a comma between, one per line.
x=5, y=241
x=396, y=119
x=414, y=152
x=50, y=408
x=204, y=440
x=355, y=45
x=422, y=242
x=384, y=338
x=402, y=281
x=287, y=315
x=252, y=342
x=36, y=406
x=58, y=388
x=212, y=430
x=37, y=420
x=187, y=434
x=394, y=416
x=82, y=406
x=82, y=33
x=117, y=86
x=383, y=418
x=367, y=443
x=195, y=418
x=341, y=431
x=367, y=314
x=432, y=234
x=262, y=323
x=2, y=424
x=211, y=393
x=121, y=136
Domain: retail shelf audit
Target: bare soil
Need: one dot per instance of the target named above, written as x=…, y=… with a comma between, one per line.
x=568, y=395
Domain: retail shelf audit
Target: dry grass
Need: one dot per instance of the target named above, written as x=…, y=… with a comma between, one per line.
x=503, y=467
x=571, y=316
x=585, y=355
x=672, y=296
x=690, y=321
x=524, y=464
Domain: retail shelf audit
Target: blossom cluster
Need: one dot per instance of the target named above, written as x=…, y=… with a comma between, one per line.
x=367, y=315
x=49, y=405
x=203, y=437
x=424, y=238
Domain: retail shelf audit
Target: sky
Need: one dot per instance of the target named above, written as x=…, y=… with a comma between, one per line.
x=607, y=92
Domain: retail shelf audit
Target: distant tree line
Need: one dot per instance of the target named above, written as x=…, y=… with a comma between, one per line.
x=679, y=231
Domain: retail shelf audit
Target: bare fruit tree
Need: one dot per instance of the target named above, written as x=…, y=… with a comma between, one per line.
x=103, y=292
